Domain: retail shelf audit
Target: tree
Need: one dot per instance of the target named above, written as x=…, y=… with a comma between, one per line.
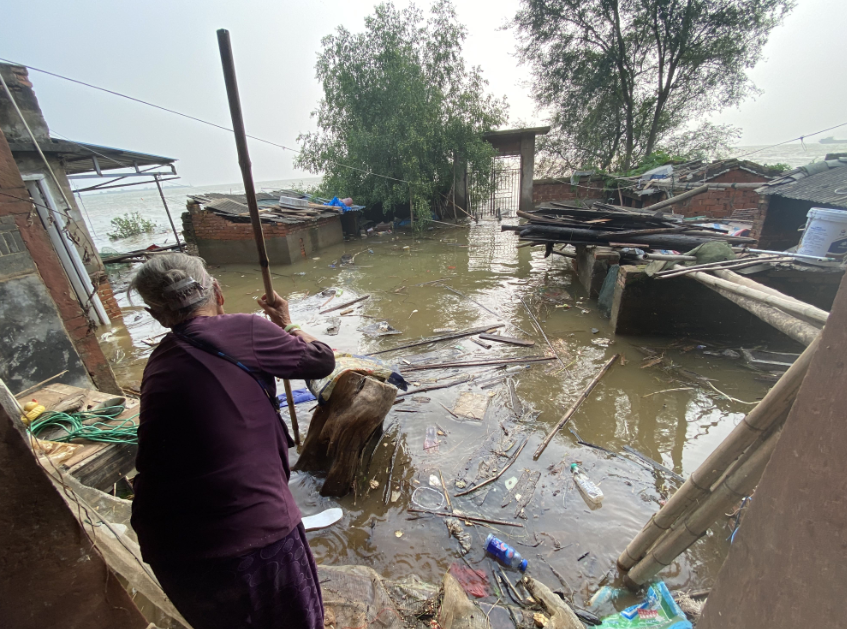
x=622, y=77
x=398, y=104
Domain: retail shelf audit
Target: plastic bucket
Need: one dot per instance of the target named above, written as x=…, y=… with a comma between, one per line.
x=825, y=233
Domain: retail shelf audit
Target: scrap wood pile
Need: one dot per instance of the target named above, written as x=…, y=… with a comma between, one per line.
x=615, y=226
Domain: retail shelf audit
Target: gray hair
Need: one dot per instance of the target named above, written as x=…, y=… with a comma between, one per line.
x=174, y=286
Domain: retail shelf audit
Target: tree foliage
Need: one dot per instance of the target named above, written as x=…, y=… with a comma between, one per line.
x=399, y=102
x=624, y=77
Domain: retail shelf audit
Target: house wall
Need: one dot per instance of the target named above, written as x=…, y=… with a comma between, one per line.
x=778, y=221
x=29, y=162
x=45, y=330
x=221, y=241
x=34, y=344
x=718, y=203
x=545, y=190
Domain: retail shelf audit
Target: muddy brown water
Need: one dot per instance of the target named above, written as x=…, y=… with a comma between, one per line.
x=629, y=406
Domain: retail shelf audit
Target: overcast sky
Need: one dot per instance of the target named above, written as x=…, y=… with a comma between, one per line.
x=166, y=53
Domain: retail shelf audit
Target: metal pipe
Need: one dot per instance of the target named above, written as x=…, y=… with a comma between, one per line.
x=168, y=212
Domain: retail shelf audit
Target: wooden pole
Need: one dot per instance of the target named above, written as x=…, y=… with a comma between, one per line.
x=566, y=417
x=250, y=191
x=677, y=199
x=772, y=410
x=739, y=483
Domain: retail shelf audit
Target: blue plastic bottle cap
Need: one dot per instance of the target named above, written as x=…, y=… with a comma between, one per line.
x=523, y=565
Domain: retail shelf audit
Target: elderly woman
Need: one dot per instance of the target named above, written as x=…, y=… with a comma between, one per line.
x=213, y=512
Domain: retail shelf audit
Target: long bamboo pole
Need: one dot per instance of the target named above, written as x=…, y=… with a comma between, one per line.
x=735, y=486
x=789, y=325
x=771, y=411
x=788, y=305
x=569, y=413
x=250, y=191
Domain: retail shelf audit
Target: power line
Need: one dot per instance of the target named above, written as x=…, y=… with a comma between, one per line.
x=190, y=117
x=801, y=138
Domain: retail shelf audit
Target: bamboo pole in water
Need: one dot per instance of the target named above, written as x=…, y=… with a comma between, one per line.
x=771, y=411
x=250, y=191
x=569, y=413
x=739, y=483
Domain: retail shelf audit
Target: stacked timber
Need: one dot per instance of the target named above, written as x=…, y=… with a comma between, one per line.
x=615, y=226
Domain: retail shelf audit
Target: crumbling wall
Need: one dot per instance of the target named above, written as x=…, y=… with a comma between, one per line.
x=718, y=203
x=40, y=310
x=587, y=188
x=223, y=241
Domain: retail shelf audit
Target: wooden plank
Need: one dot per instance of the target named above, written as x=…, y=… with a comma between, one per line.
x=112, y=463
x=506, y=339
x=96, y=464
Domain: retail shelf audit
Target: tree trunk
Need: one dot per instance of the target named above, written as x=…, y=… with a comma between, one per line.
x=340, y=430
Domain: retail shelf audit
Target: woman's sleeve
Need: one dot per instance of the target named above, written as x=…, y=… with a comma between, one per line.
x=284, y=355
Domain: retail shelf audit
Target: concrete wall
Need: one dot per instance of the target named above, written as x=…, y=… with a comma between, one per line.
x=683, y=307
x=50, y=576
x=786, y=567
x=33, y=344
x=223, y=241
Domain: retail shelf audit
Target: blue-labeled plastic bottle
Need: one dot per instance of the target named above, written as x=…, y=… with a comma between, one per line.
x=507, y=555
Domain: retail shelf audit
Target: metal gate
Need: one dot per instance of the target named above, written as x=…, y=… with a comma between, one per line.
x=495, y=193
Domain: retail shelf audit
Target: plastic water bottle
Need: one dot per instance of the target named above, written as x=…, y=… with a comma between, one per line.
x=507, y=555
x=592, y=492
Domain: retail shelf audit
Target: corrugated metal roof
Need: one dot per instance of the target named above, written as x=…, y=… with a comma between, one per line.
x=820, y=182
x=78, y=157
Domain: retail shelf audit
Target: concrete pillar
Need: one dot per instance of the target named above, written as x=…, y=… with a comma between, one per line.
x=460, y=169
x=527, y=170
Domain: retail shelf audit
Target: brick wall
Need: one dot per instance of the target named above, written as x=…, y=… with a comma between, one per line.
x=50, y=277
x=718, y=203
x=107, y=297
x=544, y=190
x=210, y=226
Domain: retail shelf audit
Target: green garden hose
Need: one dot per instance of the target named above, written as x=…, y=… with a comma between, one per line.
x=75, y=428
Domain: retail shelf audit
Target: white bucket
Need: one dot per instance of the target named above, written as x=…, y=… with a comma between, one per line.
x=825, y=233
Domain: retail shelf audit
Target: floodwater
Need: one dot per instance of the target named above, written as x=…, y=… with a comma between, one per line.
x=630, y=407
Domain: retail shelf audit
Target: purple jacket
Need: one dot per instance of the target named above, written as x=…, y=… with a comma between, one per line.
x=212, y=454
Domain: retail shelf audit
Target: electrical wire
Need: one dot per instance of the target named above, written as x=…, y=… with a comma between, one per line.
x=194, y=118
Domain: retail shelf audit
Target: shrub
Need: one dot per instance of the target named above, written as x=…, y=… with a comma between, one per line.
x=130, y=224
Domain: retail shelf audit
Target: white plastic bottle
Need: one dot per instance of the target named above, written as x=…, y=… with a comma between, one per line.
x=592, y=492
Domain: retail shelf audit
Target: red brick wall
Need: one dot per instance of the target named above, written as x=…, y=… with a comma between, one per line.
x=52, y=273
x=544, y=190
x=107, y=297
x=210, y=226
x=719, y=203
